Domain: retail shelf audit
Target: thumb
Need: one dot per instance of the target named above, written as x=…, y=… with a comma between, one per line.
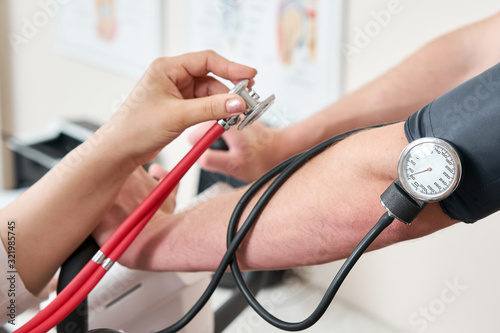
x=212, y=108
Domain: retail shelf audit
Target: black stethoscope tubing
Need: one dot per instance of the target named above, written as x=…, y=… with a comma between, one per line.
x=281, y=173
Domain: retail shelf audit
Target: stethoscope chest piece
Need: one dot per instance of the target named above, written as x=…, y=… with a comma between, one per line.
x=255, y=108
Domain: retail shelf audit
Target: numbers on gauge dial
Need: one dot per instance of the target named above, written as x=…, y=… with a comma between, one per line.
x=430, y=169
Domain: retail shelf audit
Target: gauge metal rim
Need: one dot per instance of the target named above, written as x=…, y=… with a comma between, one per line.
x=453, y=154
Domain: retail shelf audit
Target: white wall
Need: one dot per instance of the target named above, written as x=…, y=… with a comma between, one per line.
x=399, y=284
x=391, y=284
x=43, y=85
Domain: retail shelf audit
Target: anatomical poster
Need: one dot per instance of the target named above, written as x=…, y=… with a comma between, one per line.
x=123, y=36
x=294, y=44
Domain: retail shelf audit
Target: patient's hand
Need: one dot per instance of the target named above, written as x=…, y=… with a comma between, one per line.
x=137, y=187
x=251, y=152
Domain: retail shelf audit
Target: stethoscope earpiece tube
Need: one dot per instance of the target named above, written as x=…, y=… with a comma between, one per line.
x=281, y=173
x=284, y=170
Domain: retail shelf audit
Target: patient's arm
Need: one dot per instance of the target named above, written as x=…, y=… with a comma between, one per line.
x=319, y=215
x=323, y=211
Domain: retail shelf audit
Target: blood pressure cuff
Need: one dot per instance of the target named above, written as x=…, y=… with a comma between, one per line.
x=468, y=117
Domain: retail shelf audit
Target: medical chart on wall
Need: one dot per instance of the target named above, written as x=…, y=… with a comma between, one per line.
x=118, y=35
x=294, y=44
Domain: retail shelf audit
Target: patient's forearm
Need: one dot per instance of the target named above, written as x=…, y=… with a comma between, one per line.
x=318, y=216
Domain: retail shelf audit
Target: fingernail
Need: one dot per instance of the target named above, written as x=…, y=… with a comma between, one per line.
x=234, y=106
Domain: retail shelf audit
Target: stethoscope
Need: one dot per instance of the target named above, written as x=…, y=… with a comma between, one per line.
x=78, y=289
x=429, y=170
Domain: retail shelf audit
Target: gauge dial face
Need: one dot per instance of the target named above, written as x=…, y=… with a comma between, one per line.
x=429, y=169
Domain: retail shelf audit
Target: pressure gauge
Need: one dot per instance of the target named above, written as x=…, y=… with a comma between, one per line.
x=429, y=169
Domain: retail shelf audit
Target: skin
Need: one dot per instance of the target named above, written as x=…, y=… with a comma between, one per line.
x=333, y=200
x=325, y=209
x=57, y=213
x=434, y=69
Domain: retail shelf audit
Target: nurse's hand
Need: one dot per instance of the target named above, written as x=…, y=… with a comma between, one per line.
x=174, y=94
x=251, y=152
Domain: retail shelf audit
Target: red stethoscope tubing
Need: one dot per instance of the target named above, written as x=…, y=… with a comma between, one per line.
x=82, y=292
x=91, y=274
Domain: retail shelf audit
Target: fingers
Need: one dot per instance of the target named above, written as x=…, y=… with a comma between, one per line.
x=220, y=161
x=210, y=108
x=158, y=172
x=226, y=162
x=208, y=86
x=201, y=63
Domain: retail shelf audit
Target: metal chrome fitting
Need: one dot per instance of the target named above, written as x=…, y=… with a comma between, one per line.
x=98, y=257
x=229, y=122
x=107, y=264
x=254, y=108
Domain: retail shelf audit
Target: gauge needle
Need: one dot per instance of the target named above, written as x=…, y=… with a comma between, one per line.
x=416, y=173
